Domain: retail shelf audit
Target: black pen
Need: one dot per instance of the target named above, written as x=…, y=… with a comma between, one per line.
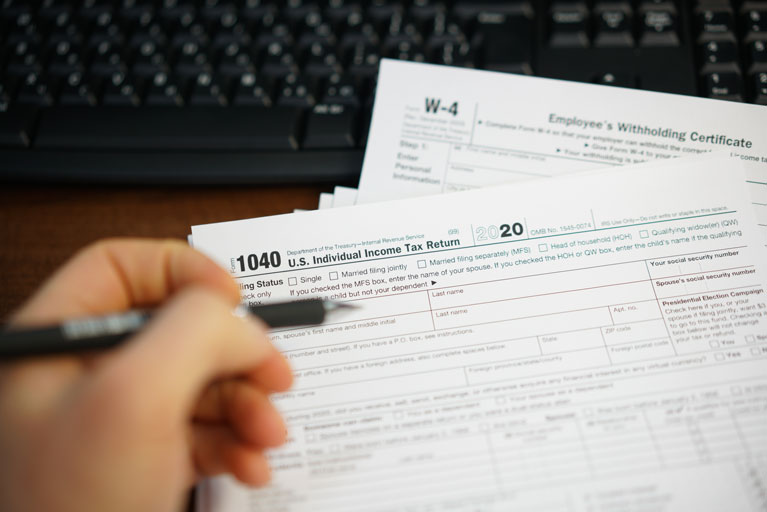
x=99, y=332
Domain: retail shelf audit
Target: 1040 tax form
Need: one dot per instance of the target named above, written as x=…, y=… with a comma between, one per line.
x=591, y=343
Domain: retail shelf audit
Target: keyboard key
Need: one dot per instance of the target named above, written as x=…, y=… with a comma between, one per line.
x=404, y=48
x=470, y=10
x=331, y=126
x=755, y=21
x=148, y=59
x=191, y=59
x=320, y=60
x=234, y=60
x=340, y=90
x=714, y=19
x=120, y=91
x=723, y=85
x=757, y=54
x=34, y=90
x=252, y=92
x=759, y=81
x=613, y=26
x=177, y=15
x=134, y=14
x=277, y=60
x=451, y=52
x=504, y=39
x=719, y=52
x=659, y=28
x=296, y=92
x=24, y=59
x=64, y=58
x=75, y=91
x=107, y=59
x=208, y=91
x=165, y=90
x=569, y=26
x=197, y=128
x=362, y=59
x=16, y=126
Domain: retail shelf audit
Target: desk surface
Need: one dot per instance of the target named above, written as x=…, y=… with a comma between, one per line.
x=40, y=227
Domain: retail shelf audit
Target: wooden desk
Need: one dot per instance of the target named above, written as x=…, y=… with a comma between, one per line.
x=40, y=227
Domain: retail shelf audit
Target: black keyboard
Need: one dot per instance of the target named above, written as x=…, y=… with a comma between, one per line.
x=259, y=91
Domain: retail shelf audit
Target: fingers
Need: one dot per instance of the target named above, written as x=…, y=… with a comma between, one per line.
x=246, y=409
x=216, y=450
x=192, y=342
x=274, y=374
x=118, y=274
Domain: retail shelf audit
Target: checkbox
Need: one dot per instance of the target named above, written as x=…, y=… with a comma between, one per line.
x=421, y=263
x=500, y=400
x=719, y=357
x=543, y=247
x=334, y=448
x=310, y=438
x=588, y=412
x=755, y=351
x=644, y=234
x=397, y=415
x=750, y=338
x=714, y=344
x=736, y=390
x=292, y=281
x=333, y=276
x=483, y=427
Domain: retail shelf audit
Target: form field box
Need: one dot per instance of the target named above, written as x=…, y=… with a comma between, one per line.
x=333, y=276
x=635, y=332
x=541, y=305
x=678, y=266
x=530, y=325
x=550, y=285
x=641, y=351
x=301, y=349
x=531, y=367
x=635, y=312
x=343, y=393
x=570, y=341
x=292, y=281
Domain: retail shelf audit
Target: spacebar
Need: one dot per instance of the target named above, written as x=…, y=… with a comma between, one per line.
x=203, y=128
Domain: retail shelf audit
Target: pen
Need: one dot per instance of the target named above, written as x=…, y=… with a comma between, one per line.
x=99, y=332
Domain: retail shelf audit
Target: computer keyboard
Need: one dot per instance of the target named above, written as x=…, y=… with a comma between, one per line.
x=259, y=91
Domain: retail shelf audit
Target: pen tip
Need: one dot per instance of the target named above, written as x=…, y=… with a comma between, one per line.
x=332, y=305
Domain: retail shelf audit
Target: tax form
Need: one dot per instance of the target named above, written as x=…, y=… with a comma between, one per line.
x=592, y=343
x=438, y=129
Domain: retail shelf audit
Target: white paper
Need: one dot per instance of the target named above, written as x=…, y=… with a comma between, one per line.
x=326, y=201
x=344, y=196
x=491, y=128
x=610, y=354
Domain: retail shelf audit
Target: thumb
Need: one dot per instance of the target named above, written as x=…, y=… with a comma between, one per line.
x=194, y=340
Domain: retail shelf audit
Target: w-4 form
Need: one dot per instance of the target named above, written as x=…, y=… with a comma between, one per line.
x=540, y=350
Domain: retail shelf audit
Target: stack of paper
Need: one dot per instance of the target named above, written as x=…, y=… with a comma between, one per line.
x=595, y=342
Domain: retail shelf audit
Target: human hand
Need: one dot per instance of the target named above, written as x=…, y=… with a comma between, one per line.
x=132, y=428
